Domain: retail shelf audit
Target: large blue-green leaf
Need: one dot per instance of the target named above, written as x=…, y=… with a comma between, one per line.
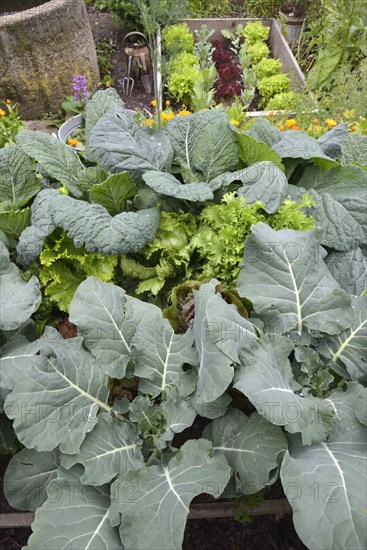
x=74, y=517
x=18, y=298
x=58, y=159
x=89, y=225
x=251, y=446
x=349, y=269
x=18, y=182
x=347, y=350
x=102, y=102
x=354, y=151
x=159, y=356
x=264, y=182
x=107, y=319
x=159, y=507
x=285, y=277
x=167, y=184
x=266, y=378
x=18, y=355
x=57, y=404
x=263, y=131
x=220, y=332
x=297, y=145
x=331, y=142
x=27, y=476
x=119, y=144
x=111, y=449
x=324, y=482
x=203, y=144
x=341, y=204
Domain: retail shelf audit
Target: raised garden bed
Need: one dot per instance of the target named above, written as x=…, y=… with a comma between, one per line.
x=278, y=44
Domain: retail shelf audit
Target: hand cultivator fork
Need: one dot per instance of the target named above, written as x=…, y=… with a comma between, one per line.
x=128, y=81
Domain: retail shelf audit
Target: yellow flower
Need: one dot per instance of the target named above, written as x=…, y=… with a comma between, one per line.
x=168, y=103
x=290, y=122
x=73, y=142
x=8, y=101
x=318, y=128
x=149, y=122
x=282, y=128
x=330, y=122
x=154, y=103
x=315, y=120
x=295, y=127
x=163, y=116
x=2, y=113
x=234, y=122
x=170, y=116
x=184, y=112
x=205, y=109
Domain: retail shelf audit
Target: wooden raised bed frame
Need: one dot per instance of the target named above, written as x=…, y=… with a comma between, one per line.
x=211, y=510
x=278, y=46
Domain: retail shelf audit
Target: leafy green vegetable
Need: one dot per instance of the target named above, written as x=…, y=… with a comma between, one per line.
x=114, y=192
x=231, y=222
x=65, y=267
x=119, y=144
x=276, y=264
x=203, y=145
x=18, y=182
x=88, y=225
x=58, y=159
x=196, y=467
x=19, y=299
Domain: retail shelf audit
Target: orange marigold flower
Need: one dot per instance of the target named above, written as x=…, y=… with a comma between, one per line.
x=295, y=127
x=8, y=101
x=290, y=122
x=330, y=122
x=73, y=142
x=149, y=122
x=154, y=103
x=354, y=128
x=234, y=122
x=168, y=103
x=184, y=112
x=315, y=120
x=282, y=128
x=271, y=113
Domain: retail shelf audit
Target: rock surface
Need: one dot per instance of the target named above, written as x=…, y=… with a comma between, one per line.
x=40, y=50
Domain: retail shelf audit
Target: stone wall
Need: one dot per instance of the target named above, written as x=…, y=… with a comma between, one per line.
x=40, y=50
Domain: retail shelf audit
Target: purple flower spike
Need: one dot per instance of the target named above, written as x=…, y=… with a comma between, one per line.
x=80, y=87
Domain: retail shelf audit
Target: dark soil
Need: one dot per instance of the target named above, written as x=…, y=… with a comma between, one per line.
x=103, y=28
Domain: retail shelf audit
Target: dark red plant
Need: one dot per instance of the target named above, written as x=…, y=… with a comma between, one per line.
x=228, y=73
x=227, y=91
x=221, y=56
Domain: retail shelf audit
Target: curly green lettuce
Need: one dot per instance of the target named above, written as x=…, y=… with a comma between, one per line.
x=64, y=267
x=224, y=227
x=169, y=254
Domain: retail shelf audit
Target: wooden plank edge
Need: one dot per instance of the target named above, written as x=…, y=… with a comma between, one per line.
x=208, y=510
x=228, y=509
